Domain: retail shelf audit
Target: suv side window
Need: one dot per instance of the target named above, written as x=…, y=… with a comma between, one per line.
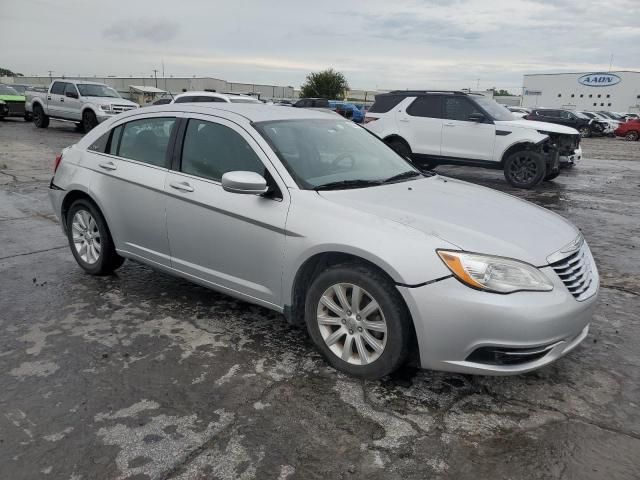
x=210, y=150
x=58, y=88
x=426, y=106
x=566, y=115
x=146, y=140
x=459, y=108
x=384, y=103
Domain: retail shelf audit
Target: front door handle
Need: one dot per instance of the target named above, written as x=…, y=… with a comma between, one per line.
x=62, y=99
x=405, y=120
x=108, y=165
x=49, y=98
x=449, y=124
x=182, y=186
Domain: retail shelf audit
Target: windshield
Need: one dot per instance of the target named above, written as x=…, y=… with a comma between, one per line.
x=587, y=114
x=321, y=152
x=493, y=108
x=581, y=115
x=244, y=100
x=91, y=90
x=7, y=90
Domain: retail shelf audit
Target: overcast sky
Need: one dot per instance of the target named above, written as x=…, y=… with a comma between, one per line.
x=376, y=43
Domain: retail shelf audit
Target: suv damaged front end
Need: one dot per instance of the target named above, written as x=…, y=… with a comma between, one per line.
x=565, y=146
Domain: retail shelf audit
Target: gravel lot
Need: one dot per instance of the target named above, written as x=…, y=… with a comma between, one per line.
x=144, y=376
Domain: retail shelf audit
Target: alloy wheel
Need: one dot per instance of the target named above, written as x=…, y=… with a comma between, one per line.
x=86, y=237
x=523, y=169
x=584, y=132
x=631, y=136
x=352, y=324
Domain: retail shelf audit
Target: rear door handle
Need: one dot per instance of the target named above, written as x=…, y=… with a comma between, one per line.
x=49, y=98
x=108, y=165
x=182, y=186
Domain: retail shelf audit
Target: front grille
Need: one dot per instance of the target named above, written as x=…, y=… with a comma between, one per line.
x=576, y=272
x=15, y=108
x=122, y=108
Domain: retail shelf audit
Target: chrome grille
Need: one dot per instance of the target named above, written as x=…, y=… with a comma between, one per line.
x=575, y=271
x=122, y=108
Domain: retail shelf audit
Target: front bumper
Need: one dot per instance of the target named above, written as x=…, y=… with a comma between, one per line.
x=453, y=321
x=566, y=160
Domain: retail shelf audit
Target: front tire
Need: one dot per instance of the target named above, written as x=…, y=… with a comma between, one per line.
x=631, y=136
x=90, y=240
x=524, y=169
x=358, y=321
x=40, y=119
x=585, y=131
x=89, y=120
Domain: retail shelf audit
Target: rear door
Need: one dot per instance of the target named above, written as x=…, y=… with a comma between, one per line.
x=419, y=121
x=129, y=186
x=462, y=138
x=232, y=241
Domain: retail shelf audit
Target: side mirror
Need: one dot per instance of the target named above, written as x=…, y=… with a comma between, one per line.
x=476, y=117
x=250, y=183
x=71, y=94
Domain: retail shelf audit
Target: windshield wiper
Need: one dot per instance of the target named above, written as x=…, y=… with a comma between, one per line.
x=402, y=176
x=344, y=184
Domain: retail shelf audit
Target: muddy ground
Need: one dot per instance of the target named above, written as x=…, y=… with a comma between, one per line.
x=144, y=376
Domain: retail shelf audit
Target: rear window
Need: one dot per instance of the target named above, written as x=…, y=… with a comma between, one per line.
x=384, y=103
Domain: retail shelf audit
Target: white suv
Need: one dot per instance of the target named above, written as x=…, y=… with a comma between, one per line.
x=204, y=96
x=447, y=127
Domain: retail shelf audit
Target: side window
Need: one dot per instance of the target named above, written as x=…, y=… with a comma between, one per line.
x=115, y=141
x=426, y=106
x=211, y=150
x=185, y=99
x=71, y=88
x=458, y=108
x=146, y=140
x=58, y=88
x=100, y=145
x=384, y=103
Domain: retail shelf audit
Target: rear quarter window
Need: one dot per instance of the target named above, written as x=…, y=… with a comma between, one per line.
x=384, y=103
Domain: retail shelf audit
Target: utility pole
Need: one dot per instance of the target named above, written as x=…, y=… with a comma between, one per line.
x=155, y=74
x=50, y=77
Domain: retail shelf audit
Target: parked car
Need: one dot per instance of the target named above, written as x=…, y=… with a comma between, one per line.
x=631, y=116
x=608, y=125
x=563, y=117
x=205, y=97
x=307, y=214
x=519, y=112
x=163, y=101
x=84, y=103
x=612, y=116
x=312, y=103
x=630, y=130
x=12, y=102
x=347, y=110
x=445, y=127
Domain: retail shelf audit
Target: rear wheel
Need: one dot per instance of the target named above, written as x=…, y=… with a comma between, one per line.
x=89, y=120
x=632, y=136
x=40, y=119
x=358, y=321
x=90, y=239
x=28, y=117
x=524, y=169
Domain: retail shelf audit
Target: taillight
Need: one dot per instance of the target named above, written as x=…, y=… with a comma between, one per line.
x=369, y=119
x=57, y=162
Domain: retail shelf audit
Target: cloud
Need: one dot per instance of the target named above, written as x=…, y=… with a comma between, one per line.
x=142, y=29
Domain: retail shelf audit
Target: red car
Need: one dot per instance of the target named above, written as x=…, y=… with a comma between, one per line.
x=630, y=130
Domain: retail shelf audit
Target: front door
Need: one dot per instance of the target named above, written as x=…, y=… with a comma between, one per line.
x=462, y=138
x=232, y=241
x=72, y=104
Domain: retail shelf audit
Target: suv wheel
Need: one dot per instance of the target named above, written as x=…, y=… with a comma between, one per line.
x=358, y=321
x=90, y=240
x=631, y=136
x=585, y=131
x=524, y=169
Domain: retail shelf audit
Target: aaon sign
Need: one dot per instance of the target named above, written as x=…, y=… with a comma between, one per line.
x=599, y=79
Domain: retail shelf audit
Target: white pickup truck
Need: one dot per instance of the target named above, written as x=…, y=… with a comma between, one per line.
x=84, y=103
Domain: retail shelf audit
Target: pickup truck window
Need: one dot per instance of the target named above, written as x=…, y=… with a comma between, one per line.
x=92, y=90
x=70, y=88
x=58, y=88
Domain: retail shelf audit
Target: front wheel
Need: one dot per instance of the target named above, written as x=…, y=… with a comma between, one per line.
x=358, y=321
x=89, y=120
x=90, y=239
x=631, y=136
x=524, y=169
x=585, y=131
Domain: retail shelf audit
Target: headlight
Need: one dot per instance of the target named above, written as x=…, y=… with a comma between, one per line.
x=494, y=274
x=106, y=108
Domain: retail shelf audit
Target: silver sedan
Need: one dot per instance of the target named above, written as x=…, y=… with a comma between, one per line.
x=312, y=216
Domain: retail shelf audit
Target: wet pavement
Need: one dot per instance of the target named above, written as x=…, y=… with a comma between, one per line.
x=144, y=376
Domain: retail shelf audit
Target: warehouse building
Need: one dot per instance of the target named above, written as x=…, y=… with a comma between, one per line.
x=617, y=91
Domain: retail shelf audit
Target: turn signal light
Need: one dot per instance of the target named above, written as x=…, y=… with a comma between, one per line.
x=57, y=162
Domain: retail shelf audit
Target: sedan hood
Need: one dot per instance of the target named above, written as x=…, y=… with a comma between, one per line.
x=474, y=218
x=533, y=125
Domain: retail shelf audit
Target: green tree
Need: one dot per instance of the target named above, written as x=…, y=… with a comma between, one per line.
x=501, y=93
x=325, y=84
x=5, y=72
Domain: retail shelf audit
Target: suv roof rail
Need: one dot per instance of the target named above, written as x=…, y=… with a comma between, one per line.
x=422, y=92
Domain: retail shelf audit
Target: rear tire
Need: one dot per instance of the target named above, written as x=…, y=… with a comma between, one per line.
x=28, y=117
x=372, y=337
x=524, y=169
x=632, y=136
x=90, y=240
x=40, y=119
x=89, y=120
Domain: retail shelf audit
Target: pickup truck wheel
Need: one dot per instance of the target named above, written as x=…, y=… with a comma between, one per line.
x=89, y=120
x=585, y=131
x=79, y=127
x=524, y=169
x=631, y=136
x=40, y=120
x=28, y=117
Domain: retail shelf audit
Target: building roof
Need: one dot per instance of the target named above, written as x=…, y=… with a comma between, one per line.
x=146, y=89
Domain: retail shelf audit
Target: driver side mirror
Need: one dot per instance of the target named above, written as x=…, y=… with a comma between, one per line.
x=476, y=117
x=248, y=183
x=71, y=94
